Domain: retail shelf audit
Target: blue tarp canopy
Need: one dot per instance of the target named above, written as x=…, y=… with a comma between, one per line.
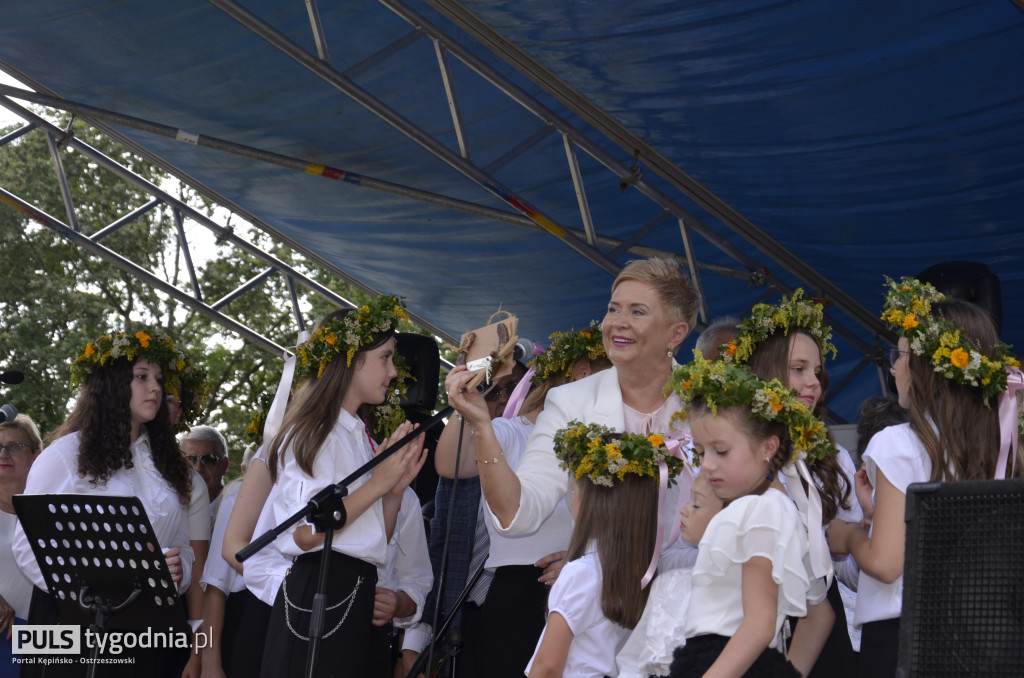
x=528, y=149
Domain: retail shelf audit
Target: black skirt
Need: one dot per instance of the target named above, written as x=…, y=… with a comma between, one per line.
x=700, y=652
x=342, y=652
x=161, y=662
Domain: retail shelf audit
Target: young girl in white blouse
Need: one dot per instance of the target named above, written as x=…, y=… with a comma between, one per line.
x=118, y=441
x=347, y=363
x=602, y=590
x=752, y=568
x=951, y=374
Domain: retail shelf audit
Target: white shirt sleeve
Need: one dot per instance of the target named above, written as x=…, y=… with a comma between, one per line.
x=199, y=510
x=218, y=572
x=412, y=571
x=541, y=480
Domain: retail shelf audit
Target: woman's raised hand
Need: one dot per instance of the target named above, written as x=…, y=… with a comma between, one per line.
x=466, y=401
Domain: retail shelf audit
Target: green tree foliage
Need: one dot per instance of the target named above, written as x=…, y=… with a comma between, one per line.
x=56, y=296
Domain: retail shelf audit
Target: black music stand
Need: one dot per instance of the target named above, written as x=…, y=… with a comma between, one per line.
x=101, y=562
x=963, y=580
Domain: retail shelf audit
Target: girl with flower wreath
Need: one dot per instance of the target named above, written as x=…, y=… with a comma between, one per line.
x=951, y=374
x=601, y=592
x=347, y=365
x=753, y=567
x=789, y=342
x=511, y=617
x=118, y=441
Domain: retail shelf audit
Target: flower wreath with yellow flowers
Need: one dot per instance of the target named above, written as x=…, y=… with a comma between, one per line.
x=565, y=351
x=156, y=347
x=765, y=319
x=603, y=455
x=179, y=374
x=346, y=335
x=908, y=310
x=722, y=384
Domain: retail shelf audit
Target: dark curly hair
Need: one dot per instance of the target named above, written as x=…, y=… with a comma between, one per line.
x=102, y=416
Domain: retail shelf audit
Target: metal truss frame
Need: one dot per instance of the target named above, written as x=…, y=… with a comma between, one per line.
x=588, y=242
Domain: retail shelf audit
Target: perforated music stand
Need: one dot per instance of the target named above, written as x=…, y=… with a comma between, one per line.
x=102, y=562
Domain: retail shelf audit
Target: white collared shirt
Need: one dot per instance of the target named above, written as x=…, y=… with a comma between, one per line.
x=55, y=471
x=345, y=449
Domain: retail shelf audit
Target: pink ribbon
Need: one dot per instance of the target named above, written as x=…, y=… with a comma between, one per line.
x=515, y=401
x=1008, y=434
x=673, y=447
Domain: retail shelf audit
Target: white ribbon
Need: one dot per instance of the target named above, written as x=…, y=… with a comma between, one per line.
x=809, y=504
x=272, y=426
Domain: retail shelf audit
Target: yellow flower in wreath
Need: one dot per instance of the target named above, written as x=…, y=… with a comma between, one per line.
x=959, y=358
x=143, y=339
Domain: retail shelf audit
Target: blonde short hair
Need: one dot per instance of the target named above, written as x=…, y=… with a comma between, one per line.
x=671, y=285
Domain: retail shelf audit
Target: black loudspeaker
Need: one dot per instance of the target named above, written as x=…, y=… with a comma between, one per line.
x=970, y=281
x=424, y=360
x=963, y=580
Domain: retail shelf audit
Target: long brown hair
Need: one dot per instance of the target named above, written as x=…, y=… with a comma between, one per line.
x=770, y=360
x=967, y=444
x=314, y=409
x=624, y=521
x=102, y=416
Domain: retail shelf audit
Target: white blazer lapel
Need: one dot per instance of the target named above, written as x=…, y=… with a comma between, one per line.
x=607, y=408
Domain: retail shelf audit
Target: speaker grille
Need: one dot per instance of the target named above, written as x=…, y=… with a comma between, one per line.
x=963, y=597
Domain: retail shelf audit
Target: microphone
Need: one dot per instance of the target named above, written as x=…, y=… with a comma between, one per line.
x=524, y=351
x=7, y=413
x=12, y=377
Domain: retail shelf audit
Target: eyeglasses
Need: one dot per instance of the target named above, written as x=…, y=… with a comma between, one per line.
x=14, y=449
x=499, y=392
x=204, y=459
x=894, y=355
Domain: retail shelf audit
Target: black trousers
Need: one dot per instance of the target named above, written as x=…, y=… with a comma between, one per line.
x=343, y=648
x=511, y=621
x=245, y=617
x=837, y=658
x=879, y=648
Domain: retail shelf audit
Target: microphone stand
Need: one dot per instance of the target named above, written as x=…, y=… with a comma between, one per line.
x=326, y=512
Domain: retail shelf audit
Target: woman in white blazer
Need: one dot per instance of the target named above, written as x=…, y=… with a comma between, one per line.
x=649, y=315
